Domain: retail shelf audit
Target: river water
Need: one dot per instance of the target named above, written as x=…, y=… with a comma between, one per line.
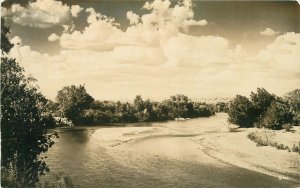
x=148, y=155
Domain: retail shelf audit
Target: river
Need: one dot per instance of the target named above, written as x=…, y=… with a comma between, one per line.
x=148, y=155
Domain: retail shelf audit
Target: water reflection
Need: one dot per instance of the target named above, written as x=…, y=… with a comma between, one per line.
x=75, y=135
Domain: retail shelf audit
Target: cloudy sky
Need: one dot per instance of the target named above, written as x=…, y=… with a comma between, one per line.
x=119, y=49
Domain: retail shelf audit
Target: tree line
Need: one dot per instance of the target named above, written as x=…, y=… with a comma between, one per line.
x=74, y=103
x=266, y=110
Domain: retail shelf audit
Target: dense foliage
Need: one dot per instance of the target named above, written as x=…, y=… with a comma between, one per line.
x=241, y=112
x=84, y=110
x=261, y=110
x=261, y=102
x=276, y=115
x=293, y=99
x=72, y=101
x=23, y=123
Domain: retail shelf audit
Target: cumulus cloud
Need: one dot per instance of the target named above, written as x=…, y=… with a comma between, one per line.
x=133, y=18
x=203, y=65
x=153, y=28
x=16, y=40
x=53, y=37
x=154, y=51
x=193, y=22
x=41, y=13
x=185, y=50
x=268, y=32
x=102, y=34
x=283, y=53
x=75, y=10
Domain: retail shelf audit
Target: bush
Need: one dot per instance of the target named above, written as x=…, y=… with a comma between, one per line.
x=264, y=139
x=296, y=148
x=277, y=115
x=263, y=110
x=261, y=102
x=241, y=112
x=261, y=138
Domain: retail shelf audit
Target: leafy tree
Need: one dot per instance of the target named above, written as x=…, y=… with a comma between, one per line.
x=73, y=101
x=180, y=106
x=277, y=115
x=241, y=112
x=203, y=110
x=140, y=108
x=6, y=45
x=23, y=123
x=161, y=111
x=293, y=99
x=138, y=103
x=261, y=102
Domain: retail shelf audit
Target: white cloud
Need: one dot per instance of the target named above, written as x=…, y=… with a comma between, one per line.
x=42, y=13
x=133, y=18
x=75, y=10
x=101, y=35
x=153, y=54
x=283, y=53
x=185, y=50
x=152, y=28
x=199, y=66
x=16, y=40
x=53, y=37
x=193, y=22
x=268, y=32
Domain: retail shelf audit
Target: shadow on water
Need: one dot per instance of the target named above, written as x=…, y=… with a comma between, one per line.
x=76, y=135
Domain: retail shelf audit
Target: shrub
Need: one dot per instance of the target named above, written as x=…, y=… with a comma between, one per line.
x=296, y=148
x=241, y=112
x=261, y=102
x=277, y=115
x=261, y=138
x=264, y=139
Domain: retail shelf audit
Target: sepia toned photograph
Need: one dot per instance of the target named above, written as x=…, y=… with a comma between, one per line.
x=150, y=94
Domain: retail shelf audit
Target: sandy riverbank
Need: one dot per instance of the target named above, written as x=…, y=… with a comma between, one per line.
x=213, y=138
x=236, y=149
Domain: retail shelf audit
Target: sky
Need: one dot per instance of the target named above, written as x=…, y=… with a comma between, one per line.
x=120, y=49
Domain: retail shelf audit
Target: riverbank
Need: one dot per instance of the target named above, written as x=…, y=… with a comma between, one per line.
x=215, y=139
x=199, y=152
x=236, y=149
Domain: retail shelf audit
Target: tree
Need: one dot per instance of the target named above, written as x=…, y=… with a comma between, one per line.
x=24, y=123
x=73, y=101
x=277, y=115
x=293, y=99
x=241, y=112
x=180, y=106
x=6, y=45
x=139, y=106
x=261, y=102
